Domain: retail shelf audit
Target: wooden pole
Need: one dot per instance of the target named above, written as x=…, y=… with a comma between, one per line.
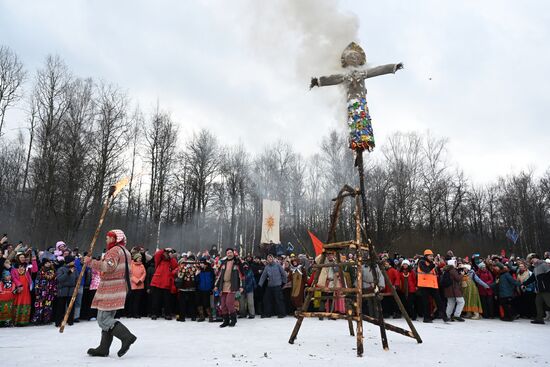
x=90, y=251
x=359, y=295
x=372, y=253
x=113, y=191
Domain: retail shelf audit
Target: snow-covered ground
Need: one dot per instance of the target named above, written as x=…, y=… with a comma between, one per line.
x=265, y=343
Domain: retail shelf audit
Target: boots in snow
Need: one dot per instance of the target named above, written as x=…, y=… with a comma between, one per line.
x=225, y=321
x=232, y=319
x=201, y=314
x=104, y=345
x=126, y=337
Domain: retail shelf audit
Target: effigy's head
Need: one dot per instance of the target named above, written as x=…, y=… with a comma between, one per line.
x=353, y=55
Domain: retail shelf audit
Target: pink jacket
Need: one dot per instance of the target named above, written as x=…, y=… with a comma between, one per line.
x=138, y=276
x=15, y=275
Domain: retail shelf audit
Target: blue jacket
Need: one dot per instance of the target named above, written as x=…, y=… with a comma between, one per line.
x=275, y=275
x=205, y=280
x=506, y=285
x=249, y=281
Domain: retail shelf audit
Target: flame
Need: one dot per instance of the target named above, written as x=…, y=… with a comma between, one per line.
x=120, y=185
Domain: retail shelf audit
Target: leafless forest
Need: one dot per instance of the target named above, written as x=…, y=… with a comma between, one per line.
x=78, y=136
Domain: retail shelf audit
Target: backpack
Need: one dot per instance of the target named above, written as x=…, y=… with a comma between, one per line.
x=445, y=280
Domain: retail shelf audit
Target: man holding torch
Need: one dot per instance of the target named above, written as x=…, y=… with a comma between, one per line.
x=111, y=294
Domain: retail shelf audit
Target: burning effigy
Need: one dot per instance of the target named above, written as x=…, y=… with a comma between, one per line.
x=361, y=135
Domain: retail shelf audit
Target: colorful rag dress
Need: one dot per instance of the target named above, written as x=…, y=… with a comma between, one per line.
x=22, y=303
x=361, y=136
x=6, y=303
x=45, y=292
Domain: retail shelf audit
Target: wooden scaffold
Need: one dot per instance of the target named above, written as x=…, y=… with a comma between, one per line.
x=353, y=295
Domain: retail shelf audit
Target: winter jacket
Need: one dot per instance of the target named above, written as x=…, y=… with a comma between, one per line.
x=15, y=275
x=394, y=276
x=205, y=280
x=540, y=276
x=113, y=287
x=237, y=277
x=249, y=281
x=163, y=278
x=472, y=275
x=275, y=275
x=66, y=281
x=455, y=289
x=505, y=285
x=257, y=269
x=138, y=276
x=410, y=280
x=487, y=277
x=368, y=278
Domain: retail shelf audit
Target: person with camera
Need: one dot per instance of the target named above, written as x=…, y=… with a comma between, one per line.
x=451, y=282
x=161, y=283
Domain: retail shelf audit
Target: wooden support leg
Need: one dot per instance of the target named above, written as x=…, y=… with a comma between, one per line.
x=401, y=307
x=305, y=306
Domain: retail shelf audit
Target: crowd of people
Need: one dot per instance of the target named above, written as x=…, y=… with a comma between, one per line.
x=36, y=286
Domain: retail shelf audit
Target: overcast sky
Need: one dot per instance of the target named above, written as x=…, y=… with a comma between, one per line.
x=476, y=72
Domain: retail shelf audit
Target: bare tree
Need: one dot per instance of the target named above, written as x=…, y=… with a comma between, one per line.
x=12, y=76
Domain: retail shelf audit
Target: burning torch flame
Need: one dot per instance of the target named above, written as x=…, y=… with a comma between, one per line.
x=120, y=185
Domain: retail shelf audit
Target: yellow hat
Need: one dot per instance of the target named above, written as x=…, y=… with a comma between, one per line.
x=428, y=252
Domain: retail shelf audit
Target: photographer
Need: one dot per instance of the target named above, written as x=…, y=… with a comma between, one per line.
x=161, y=283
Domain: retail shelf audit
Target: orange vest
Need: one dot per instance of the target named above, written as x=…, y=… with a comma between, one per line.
x=427, y=280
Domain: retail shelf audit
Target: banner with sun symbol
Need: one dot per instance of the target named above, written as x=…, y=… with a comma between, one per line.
x=270, y=221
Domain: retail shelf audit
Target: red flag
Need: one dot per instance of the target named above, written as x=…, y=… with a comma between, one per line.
x=317, y=244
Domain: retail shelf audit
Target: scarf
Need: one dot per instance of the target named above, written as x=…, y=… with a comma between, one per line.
x=406, y=284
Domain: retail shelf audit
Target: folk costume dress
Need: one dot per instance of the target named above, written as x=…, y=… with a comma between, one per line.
x=22, y=302
x=7, y=295
x=45, y=289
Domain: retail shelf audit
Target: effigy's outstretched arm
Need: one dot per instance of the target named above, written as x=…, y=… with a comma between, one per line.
x=383, y=69
x=326, y=80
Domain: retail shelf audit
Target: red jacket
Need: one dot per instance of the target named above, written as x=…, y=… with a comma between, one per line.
x=163, y=277
x=489, y=279
x=393, y=274
x=411, y=279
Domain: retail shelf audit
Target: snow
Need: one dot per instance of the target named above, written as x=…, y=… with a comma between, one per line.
x=264, y=342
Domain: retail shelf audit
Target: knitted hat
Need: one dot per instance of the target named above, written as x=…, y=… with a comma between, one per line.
x=452, y=262
x=5, y=273
x=406, y=262
x=118, y=235
x=499, y=265
x=467, y=267
x=482, y=265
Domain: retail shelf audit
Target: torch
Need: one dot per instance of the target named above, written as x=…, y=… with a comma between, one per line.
x=113, y=192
